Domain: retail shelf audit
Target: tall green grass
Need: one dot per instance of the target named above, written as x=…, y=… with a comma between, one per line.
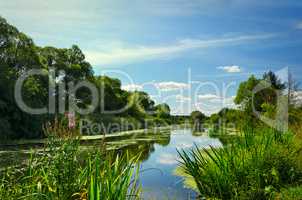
x=63, y=172
x=256, y=166
x=114, y=179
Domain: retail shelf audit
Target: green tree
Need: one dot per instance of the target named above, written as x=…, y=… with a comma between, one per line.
x=112, y=97
x=263, y=100
x=163, y=110
x=19, y=54
x=197, y=116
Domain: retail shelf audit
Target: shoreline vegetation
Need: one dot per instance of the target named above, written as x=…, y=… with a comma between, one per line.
x=64, y=172
x=258, y=165
x=258, y=162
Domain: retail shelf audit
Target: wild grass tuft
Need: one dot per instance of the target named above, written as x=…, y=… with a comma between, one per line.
x=255, y=167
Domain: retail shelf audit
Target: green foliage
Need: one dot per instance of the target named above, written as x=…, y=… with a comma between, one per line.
x=162, y=110
x=157, y=122
x=180, y=119
x=63, y=172
x=229, y=115
x=18, y=53
x=290, y=193
x=263, y=100
x=54, y=174
x=197, y=117
x=214, y=118
x=112, y=97
x=113, y=179
x=253, y=168
x=244, y=93
x=273, y=79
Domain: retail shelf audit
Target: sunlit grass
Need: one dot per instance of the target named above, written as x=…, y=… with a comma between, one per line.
x=255, y=167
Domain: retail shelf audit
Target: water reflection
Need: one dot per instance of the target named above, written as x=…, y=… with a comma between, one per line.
x=142, y=144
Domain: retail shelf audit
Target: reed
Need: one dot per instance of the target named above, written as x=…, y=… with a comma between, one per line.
x=62, y=171
x=256, y=166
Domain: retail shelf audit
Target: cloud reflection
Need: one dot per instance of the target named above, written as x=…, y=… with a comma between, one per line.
x=167, y=159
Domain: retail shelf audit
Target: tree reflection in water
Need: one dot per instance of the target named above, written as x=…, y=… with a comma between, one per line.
x=142, y=144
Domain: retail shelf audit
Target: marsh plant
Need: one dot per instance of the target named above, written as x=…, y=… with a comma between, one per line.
x=256, y=166
x=64, y=171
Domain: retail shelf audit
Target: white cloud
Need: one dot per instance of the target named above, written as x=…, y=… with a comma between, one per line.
x=184, y=145
x=208, y=96
x=206, y=103
x=297, y=97
x=180, y=98
x=163, y=86
x=171, y=86
x=211, y=103
x=167, y=159
x=133, y=53
x=226, y=100
x=132, y=87
x=231, y=69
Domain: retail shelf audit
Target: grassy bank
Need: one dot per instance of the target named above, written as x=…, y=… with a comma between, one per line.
x=261, y=165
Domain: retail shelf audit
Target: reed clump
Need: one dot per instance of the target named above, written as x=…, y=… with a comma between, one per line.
x=257, y=166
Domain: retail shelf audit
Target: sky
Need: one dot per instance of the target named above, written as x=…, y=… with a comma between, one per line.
x=191, y=54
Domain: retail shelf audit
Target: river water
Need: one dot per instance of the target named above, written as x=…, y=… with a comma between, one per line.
x=160, y=159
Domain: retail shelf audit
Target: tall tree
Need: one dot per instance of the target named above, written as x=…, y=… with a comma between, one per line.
x=197, y=117
x=163, y=110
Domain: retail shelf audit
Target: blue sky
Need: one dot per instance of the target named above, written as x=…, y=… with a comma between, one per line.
x=163, y=44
